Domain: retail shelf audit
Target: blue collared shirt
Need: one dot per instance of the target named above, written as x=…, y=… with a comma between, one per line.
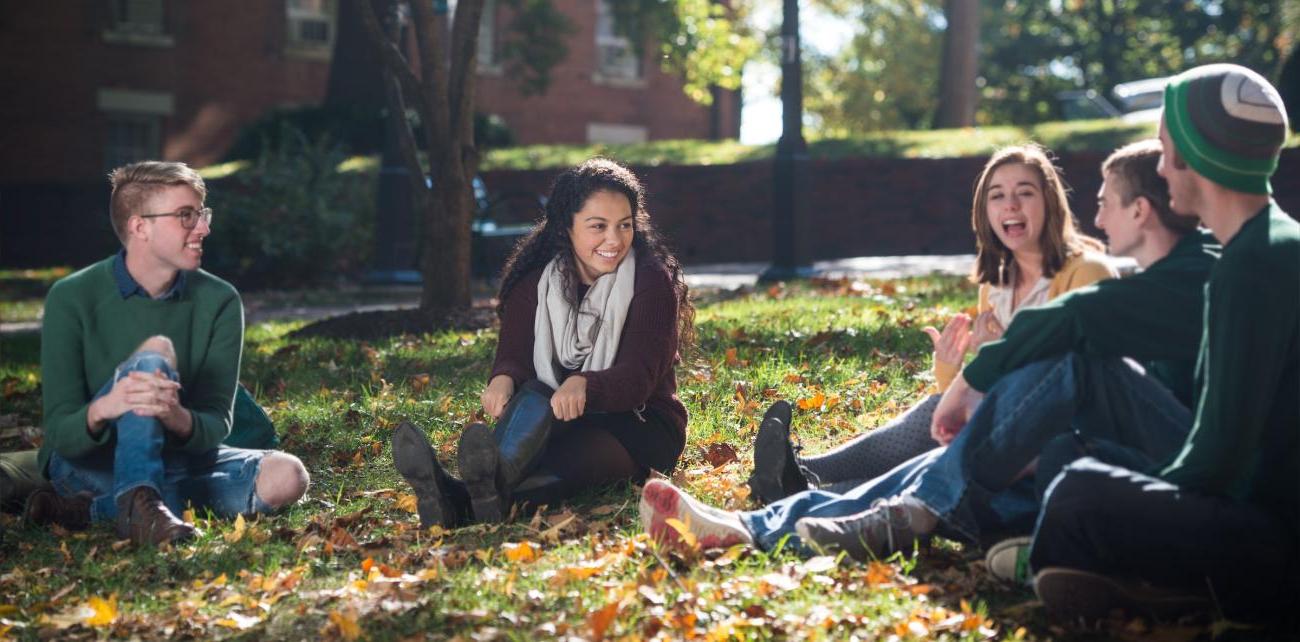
x=128, y=287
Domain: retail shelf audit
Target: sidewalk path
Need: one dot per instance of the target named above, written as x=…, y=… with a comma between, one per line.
x=728, y=276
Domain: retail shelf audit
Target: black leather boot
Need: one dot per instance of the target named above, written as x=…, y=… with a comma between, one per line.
x=777, y=474
x=440, y=498
x=493, y=462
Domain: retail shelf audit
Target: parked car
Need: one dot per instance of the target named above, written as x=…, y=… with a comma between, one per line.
x=1136, y=101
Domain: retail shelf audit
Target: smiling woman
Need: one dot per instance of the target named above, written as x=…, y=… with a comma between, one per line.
x=593, y=311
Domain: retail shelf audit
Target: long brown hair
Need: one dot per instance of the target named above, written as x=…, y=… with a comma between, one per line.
x=550, y=237
x=1060, y=238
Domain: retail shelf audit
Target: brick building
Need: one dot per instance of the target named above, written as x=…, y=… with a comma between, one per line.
x=92, y=84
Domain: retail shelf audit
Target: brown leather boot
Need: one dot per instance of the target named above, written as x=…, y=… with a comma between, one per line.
x=143, y=517
x=45, y=507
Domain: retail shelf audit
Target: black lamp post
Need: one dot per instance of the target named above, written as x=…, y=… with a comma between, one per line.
x=790, y=174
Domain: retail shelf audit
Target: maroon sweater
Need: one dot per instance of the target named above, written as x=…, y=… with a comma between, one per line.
x=643, y=368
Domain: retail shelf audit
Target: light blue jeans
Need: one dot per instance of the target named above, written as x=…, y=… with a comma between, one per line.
x=973, y=485
x=222, y=479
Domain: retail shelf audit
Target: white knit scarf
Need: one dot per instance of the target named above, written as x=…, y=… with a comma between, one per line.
x=586, y=338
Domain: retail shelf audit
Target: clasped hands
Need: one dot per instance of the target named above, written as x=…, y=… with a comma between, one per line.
x=567, y=403
x=147, y=394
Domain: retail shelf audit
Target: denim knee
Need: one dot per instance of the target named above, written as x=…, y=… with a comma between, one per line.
x=145, y=361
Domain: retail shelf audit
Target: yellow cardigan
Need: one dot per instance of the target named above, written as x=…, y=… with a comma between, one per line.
x=1079, y=270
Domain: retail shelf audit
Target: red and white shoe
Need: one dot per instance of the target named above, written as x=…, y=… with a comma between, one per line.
x=709, y=527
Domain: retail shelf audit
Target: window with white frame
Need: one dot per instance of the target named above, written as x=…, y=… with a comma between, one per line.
x=133, y=124
x=615, y=57
x=131, y=138
x=141, y=22
x=310, y=24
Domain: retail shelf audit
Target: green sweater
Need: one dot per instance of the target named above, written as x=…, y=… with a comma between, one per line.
x=1245, y=442
x=89, y=328
x=1153, y=316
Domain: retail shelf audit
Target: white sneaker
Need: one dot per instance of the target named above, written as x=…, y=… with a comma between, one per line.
x=711, y=528
x=1008, y=560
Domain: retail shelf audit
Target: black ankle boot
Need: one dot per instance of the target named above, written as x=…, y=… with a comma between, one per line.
x=776, y=468
x=493, y=462
x=435, y=491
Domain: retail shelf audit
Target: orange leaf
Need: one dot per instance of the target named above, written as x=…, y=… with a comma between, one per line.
x=522, y=552
x=879, y=573
x=731, y=360
x=346, y=624
x=683, y=530
x=812, y=403
x=406, y=502
x=599, y=621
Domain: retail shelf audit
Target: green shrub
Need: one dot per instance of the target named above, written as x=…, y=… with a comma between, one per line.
x=291, y=218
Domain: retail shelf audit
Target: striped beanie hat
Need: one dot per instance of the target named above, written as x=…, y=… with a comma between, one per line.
x=1228, y=123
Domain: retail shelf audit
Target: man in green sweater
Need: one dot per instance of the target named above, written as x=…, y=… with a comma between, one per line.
x=139, y=360
x=1220, y=519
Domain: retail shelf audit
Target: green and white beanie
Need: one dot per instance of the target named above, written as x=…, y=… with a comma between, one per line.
x=1228, y=123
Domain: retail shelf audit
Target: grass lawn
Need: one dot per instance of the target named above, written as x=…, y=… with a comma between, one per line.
x=350, y=561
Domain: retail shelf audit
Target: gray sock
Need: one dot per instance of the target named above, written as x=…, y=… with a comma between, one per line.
x=877, y=451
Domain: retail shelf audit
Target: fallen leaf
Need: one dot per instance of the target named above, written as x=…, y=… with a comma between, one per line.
x=237, y=533
x=238, y=621
x=720, y=453
x=522, y=552
x=598, y=621
x=419, y=382
x=406, y=502
x=346, y=623
x=683, y=531
x=812, y=403
x=103, y=612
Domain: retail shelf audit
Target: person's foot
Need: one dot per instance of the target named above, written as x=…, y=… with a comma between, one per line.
x=710, y=527
x=145, y=519
x=45, y=507
x=1008, y=560
x=777, y=474
x=479, y=458
x=887, y=527
x=415, y=460
x=1075, y=596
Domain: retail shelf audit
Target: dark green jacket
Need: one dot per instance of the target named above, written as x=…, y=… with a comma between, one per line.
x=1153, y=316
x=1244, y=442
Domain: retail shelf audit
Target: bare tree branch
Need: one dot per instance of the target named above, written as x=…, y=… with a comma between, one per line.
x=433, y=70
x=464, y=68
x=393, y=60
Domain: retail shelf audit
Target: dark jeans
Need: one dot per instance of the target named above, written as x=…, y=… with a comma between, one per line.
x=973, y=486
x=1106, y=519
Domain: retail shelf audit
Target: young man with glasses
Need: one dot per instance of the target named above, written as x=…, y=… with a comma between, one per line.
x=139, y=361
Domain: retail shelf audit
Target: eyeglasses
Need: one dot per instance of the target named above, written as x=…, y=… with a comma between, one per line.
x=189, y=216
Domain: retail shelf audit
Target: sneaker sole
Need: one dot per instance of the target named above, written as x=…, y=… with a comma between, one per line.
x=478, y=457
x=1072, y=595
x=661, y=501
x=413, y=457
x=769, y=461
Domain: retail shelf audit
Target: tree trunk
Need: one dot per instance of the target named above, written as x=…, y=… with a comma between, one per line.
x=960, y=63
x=443, y=95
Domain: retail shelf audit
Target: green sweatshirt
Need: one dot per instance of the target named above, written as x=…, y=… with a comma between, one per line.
x=89, y=328
x=1245, y=442
x=1153, y=316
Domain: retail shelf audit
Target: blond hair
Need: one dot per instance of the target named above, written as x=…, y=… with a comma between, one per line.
x=133, y=184
x=1060, y=239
